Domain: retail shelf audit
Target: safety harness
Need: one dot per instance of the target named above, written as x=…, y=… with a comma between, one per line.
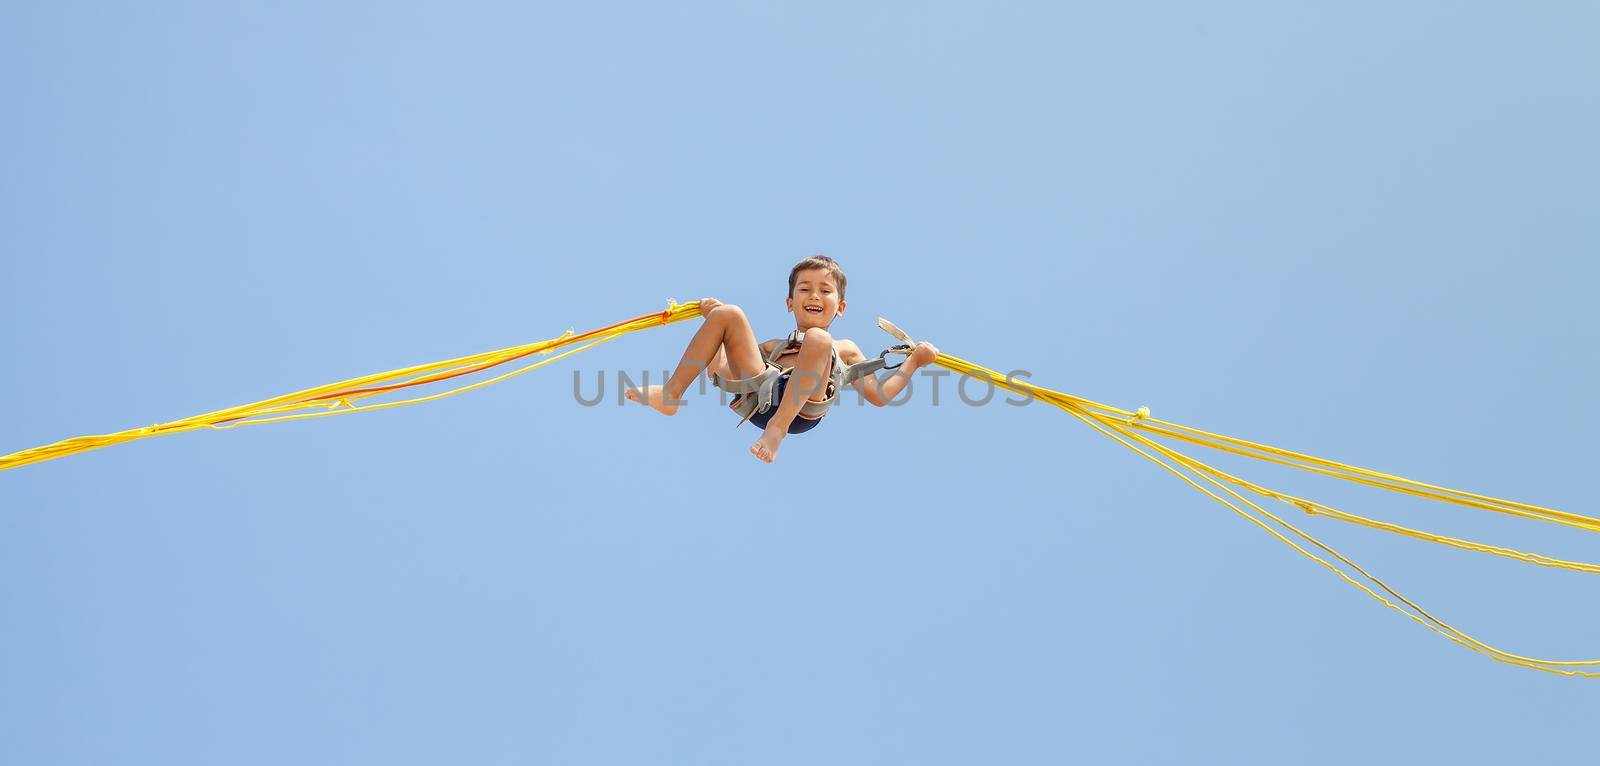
x=765, y=383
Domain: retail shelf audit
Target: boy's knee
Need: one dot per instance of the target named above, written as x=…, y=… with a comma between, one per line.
x=727, y=310
x=817, y=335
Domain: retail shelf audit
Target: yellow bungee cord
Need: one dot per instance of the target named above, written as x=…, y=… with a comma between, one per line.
x=1133, y=430
x=340, y=398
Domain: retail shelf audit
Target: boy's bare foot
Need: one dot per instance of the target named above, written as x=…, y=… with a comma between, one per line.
x=766, y=448
x=655, y=396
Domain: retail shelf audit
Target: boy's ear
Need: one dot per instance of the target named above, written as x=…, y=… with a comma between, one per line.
x=841, y=308
x=788, y=303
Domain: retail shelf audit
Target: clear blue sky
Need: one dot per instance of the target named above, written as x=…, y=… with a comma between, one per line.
x=1360, y=230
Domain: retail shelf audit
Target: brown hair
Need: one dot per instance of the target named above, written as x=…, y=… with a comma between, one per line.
x=818, y=262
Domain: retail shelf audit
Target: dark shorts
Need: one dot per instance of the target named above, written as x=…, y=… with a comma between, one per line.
x=799, y=425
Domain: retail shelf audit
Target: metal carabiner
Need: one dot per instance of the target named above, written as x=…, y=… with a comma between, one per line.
x=900, y=349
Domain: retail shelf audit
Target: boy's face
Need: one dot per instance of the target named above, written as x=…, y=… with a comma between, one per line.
x=815, y=300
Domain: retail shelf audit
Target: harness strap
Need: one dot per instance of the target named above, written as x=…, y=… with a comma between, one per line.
x=764, y=384
x=862, y=369
x=761, y=385
x=811, y=408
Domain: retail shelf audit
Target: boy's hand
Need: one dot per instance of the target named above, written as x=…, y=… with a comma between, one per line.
x=707, y=304
x=924, y=353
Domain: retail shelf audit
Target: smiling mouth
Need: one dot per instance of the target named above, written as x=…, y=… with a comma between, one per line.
x=813, y=309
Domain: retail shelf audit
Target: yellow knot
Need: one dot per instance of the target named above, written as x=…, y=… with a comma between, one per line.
x=1141, y=414
x=551, y=345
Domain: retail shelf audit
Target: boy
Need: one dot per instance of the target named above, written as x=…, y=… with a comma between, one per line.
x=816, y=298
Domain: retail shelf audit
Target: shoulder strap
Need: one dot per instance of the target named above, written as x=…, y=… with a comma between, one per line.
x=793, y=341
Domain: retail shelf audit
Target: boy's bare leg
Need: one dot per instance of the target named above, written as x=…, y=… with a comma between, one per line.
x=808, y=380
x=725, y=329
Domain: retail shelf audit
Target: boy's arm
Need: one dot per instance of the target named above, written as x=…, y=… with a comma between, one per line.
x=881, y=391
